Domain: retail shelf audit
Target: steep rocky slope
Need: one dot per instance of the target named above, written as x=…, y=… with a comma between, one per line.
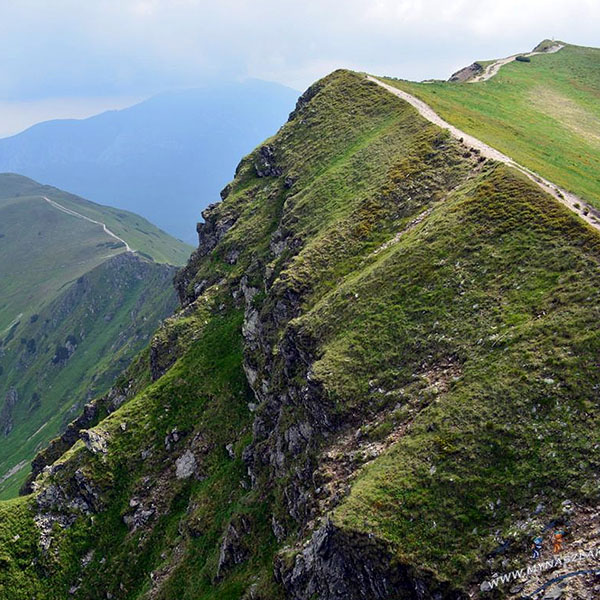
x=381, y=383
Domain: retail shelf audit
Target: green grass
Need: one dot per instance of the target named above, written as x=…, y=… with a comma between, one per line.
x=45, y=253
x=503, y=284
x=43, y=250
x=466, y=343
x=544, y=114
x=498, y=286
x=206, y=394
x=111, y=316
x=19, y=575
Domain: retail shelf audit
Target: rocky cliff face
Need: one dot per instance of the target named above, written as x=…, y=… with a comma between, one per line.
x=361, y=393
x=338, y=564
x=466, y=73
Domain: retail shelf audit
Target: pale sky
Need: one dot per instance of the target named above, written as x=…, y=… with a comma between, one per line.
x=73, y=58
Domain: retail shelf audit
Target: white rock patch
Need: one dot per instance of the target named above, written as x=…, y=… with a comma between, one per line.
x=185, y=465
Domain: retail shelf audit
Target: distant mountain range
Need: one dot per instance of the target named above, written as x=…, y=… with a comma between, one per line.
x=166, y=158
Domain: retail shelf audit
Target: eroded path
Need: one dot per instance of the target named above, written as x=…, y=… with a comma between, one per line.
x=571, y=201
x=493, y=68
x=74, y=213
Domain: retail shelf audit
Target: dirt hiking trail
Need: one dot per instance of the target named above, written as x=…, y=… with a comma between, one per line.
x=80, y=216
x=493, y=68
x=571, y=201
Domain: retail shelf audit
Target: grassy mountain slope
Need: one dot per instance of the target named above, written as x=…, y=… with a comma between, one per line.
x=544, y=114
x=163, y=158
x=382, y=382
x=67, y=285
x=72, y=351
x=42, y=249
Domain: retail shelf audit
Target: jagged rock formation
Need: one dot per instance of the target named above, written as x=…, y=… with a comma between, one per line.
x=466, y=73
x=366, y=392
x=341, y=565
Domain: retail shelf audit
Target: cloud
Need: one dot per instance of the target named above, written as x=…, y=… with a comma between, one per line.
x=139, y=47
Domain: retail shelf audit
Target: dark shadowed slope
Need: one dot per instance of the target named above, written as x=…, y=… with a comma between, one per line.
x=71, y=351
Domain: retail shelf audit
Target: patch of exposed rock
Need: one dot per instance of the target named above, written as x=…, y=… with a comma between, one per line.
x=185, y=465
x=466, y=73
x=88, y=418
x=265, y=163
x=95, y=441
x=210, y=233
x=234, y=547
x=342, y=565
x=305, y=99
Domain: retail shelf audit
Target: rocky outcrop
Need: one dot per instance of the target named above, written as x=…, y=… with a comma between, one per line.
x=88, y=418
x=466, y=73
x=292, y=417
x=142, y=514
x=305, y=99
x=265, y=163
x=185, y=465
x=341, y=565
x=95, y=441
x=57, y=506
x=210, y=233
x=234, y=547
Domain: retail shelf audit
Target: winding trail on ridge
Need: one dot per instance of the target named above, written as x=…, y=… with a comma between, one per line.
x=571, y=201
x=80, y=216
x=493, y=68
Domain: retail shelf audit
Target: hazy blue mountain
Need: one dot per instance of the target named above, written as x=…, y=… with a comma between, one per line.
x=165, y=158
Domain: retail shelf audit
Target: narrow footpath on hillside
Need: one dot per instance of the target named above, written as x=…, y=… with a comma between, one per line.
x=571, y=201
x=80, y=216
x=493, y=68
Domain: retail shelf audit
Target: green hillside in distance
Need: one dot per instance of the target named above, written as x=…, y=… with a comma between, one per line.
x=43, y=249
x=72, y=351
x=75, y=307
x=544, y=114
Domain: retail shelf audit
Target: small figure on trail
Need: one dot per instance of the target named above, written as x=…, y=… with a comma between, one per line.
x=558, y=541
x=537, y=547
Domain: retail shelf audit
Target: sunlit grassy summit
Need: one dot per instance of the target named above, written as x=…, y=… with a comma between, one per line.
x=544, y=114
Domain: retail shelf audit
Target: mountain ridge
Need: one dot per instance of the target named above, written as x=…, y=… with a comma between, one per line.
x=36, y=266
x=381, y=384
x=542, y=113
